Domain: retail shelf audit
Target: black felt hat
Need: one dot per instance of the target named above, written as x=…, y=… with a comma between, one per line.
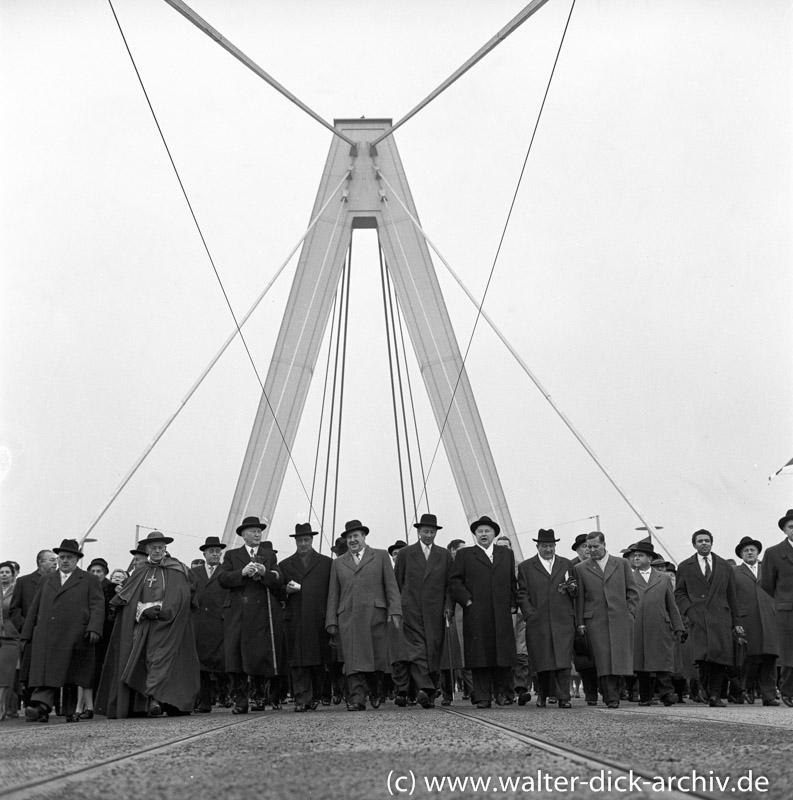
x=212, y=541
x=251, y=522
x=486, y=521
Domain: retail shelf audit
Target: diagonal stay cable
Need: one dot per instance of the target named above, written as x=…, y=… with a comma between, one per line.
x=480, y=305
x=232, y=336
x=203, y=25
x=511, y=26
x=526, y=368
x=204, y=242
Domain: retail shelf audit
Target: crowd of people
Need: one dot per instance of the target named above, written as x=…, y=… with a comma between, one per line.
x=414, y=624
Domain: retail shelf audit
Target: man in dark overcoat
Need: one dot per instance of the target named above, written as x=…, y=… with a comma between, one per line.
x=363, y=599
x=422, y=575
x=777, y=580
x=208, y=621
x=705, y=595
x=482, y=580
x=657, y=628
x=605, y=608
x=550, y=618
x=306, y=576
x=759, y=621
x=151, y=665
x=254, y=634
x=25, y=590
x=63, y=625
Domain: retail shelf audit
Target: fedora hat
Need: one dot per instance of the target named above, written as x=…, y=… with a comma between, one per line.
x=397, y=545
x=486, y=521
x=303, y=529
x=68, y=546
x=784, y=521
x=99, y=562
x=251, y=522
x=545, y=537
x=747, y=540
x=428, y=521
x=268, y=545
x=138, y=551
x=642, y=547
x=579, y=540
x=340, y=548
x=155, y=536
x=353, y=525
x=212, y=541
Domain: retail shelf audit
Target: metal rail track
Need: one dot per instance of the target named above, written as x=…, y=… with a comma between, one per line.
x=590, y=761
x=25, y=790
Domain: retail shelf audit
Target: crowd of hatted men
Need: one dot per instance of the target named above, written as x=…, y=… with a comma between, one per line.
x=411, y=624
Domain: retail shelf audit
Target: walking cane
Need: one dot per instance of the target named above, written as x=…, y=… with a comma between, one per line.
x=272, y=634
x=449, y=652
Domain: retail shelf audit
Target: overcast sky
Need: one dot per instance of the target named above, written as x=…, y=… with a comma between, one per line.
x=645, y=275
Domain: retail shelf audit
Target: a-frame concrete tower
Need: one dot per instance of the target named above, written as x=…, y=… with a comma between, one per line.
x=366, y=205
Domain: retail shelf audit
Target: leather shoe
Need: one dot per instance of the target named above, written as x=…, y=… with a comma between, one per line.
x=591, y=702
x=202, y=710
x=787, y=700
x=401, y=701
x=541, y=702
x=422, y=698
x=37, y=712
x=356, y=707
x=770, y=702
x=565, y=704
x=670, y=699
x=313, y=705
x=447, y=701
x=613, y=704
x=277, y=707
x=336, y=699
x=87, y=714
x=375, y=702
x=484, y=704
x=155, y=709
x=239, y=710
x=716, y=702
x=299, y=707
x=524, y=698
x=73, y=718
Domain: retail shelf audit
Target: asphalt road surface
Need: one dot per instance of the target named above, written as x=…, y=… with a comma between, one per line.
x=504, y=752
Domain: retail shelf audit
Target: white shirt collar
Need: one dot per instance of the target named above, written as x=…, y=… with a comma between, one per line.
x=487, y=550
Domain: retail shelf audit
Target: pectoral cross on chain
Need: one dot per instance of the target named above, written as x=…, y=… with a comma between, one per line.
x=152, y=580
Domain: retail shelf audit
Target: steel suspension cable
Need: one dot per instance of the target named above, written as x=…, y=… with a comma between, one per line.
x=413, y=411
x=332, y=418
x=480, y=305
x=401, y=392
x=511, y=26
x=383, y=280
x=341, y=385
x=204, y=26
x=322, y=413
x=206, y=246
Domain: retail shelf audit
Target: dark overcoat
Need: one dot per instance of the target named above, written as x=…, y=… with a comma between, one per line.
x=710, y=609
x=25, y=590
x=153, y=657
x=361, y=597
x=657, y=618
x=776, y=577
x=756, y=613
x=56, y=624
x=606, y=603
x=251, y=646
x=423, y=585
x=208, y=619
x=22, y=598
x=307, y=640
x=549, y=613
x=492, y=588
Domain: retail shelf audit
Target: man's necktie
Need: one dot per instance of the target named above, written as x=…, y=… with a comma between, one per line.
x=253, y=554
x=708, y=570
